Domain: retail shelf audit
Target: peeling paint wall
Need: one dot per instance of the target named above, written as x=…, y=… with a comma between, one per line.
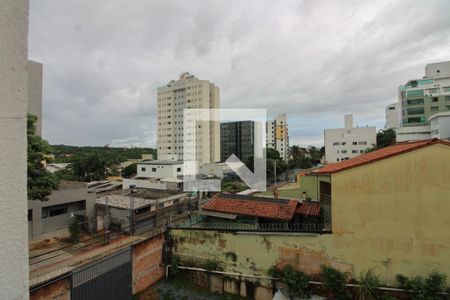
x=393, y=215
x=148, y=266
x=60, y=290
x=13, y=185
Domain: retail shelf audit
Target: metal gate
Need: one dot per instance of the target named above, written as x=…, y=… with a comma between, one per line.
x=109, y=279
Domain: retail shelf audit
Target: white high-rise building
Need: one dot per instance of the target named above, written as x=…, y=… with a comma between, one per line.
x=392, y=116
x=345, y=143
x=277, y=136
x=193, y=93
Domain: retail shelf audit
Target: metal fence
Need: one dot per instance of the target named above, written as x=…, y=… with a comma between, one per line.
x=275, y=227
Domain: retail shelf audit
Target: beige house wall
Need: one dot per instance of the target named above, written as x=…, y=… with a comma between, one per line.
x=392, y=215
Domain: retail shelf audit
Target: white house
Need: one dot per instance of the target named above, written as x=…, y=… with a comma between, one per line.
x=157, y=174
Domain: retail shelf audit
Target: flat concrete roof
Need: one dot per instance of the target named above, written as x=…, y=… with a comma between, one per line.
x=161, y=162
x=139, y=199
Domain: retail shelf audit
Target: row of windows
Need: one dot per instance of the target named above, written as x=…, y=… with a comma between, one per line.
x=353, y=151
x=143, y=169
x=345, y=143
x=56, y=210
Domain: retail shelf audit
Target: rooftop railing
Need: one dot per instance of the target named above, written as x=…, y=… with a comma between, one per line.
x=267, y=227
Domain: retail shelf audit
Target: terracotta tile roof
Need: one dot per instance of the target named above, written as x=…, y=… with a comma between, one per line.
x=308, y=209
x=279, y=209
x=377, y=155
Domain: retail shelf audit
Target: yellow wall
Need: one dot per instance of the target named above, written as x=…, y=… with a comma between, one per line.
x=393, y=215
x=279, y=132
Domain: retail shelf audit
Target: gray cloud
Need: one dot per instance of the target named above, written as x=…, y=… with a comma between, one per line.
x=315, y=60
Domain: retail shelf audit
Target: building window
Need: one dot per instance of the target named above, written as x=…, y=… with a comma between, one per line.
x=362, y=143
x=336, y=144
x=343, y=151
x=153, y=169
x=143, y=169
x=415, y=111
x=354, y=151
x=415, y=102
x=446, y=89
x=434, y=108
x=416, y=120
x=52, y=211
x=415, y=93
x=434, y=99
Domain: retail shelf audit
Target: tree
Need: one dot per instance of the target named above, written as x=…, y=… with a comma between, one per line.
x=89, y=166
x=315, y=154
x=40, y=182
x=273, y=156
x=129, y=171
x=385, y=138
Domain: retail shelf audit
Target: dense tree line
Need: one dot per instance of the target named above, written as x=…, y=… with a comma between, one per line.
x=114, y=155
x=96, y=163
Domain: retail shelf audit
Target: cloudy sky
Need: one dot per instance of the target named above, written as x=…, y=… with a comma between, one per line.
x=315, y=60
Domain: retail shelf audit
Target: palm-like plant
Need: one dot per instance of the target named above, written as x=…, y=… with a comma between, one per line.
x=369, y=281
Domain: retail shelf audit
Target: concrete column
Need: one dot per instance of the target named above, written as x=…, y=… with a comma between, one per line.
x=13, y=158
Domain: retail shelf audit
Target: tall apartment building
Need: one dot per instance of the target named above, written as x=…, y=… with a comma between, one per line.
x=192, y=93
x=237, y=138
x=392, y=116
x=421, y=98
x=345, y=143
x=277, y=136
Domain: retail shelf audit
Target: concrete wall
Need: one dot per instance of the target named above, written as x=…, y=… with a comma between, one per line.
x=310, y=185
x=59, y=290
x=413, y=133
x=13, y=185
x=245, y=287
x=143, y=183
x=161, y=170
x=69, y=192
x=148, y=265
x=34, y=70
x=393, y=215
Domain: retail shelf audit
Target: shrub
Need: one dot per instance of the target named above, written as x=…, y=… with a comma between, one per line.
x=75, y=231
x=297, y=282
x=174, y=262
x=424, y=289
x=368, y=283
x=212, y=265
x=335, y=281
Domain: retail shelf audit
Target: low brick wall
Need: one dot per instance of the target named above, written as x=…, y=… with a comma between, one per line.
x=245, y=287
x=59, y=290
x=148, y=266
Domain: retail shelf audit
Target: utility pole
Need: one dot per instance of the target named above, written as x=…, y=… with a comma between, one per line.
x=275, y=172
